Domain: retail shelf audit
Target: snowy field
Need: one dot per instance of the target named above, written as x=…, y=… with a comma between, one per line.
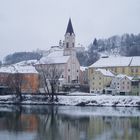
x=77, y=99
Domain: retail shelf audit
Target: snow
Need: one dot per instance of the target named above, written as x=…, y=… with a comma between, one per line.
x=18, y=69
x=89, y=100
x=121, y=76
x=105, y=72
x=83, y=68
x=113, y=61
x=135, y=61
x=28, y=62
x=55, y=57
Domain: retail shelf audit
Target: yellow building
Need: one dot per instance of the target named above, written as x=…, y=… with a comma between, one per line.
x=99, y=80
x=129, y=66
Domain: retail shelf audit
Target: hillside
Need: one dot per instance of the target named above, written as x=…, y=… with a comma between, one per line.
x=125, y=45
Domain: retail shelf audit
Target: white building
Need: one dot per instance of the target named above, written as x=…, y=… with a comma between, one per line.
x=122, y=84
x=100, y=80
x=64, y=58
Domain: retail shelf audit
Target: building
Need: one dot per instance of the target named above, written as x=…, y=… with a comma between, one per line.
x=27, y=76
x=129, y=66
x=83, y=78
x=122, y=84
x=135, y=86
x=100, y=79
x=64, y=58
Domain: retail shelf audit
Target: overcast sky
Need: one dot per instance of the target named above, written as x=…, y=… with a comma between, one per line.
x=26, y=25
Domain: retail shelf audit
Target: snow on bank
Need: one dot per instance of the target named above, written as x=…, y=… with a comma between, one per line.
x=100, y=100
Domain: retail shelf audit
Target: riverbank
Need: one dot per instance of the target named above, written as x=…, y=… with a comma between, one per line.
x=75, y=100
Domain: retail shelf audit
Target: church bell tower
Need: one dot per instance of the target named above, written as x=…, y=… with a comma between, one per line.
x=69, y=42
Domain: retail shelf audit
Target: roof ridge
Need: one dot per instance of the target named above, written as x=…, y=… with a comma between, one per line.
x=130, y=61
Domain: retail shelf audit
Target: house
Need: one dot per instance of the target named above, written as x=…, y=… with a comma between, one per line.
x=83, y=78
x=64, y=58
x=120, y=65
x=135, y=86
x=99, y=80
x=122, y=84
x=27, y=76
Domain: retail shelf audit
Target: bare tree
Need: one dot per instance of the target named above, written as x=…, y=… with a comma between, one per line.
x=50, y=75
x=14, y=82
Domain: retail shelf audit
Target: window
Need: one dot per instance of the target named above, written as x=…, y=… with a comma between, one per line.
x=123, y=70
x=77, y=71
x=77, y=79
x=100, y=83
x=116, y=70
x=136, y=70
x=62, y=76
x=68, y=69
x=67, y=45
x=68, y=79
x=72, y=44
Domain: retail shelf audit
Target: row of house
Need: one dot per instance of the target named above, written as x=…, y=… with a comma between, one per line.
x=108, y=74
x=11, y=77
x=115, y=75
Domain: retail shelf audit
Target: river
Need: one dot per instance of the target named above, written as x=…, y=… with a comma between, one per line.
x=69, y=123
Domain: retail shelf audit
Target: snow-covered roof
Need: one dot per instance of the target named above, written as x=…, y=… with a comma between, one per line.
x=55, y=57
x=28, y=62
x=135, y=61
x=121, y=76
x=105, y=72
x=18, y=69
x=83, y=68
x=117, y=61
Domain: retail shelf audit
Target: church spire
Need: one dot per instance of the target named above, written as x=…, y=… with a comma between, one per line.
x=69, y=28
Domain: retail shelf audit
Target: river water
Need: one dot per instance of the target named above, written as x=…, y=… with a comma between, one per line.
x=69, y=123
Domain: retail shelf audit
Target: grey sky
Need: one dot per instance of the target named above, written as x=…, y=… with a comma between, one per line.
x=26, y=25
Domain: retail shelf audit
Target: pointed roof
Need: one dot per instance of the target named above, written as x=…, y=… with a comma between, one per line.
x=69, y=27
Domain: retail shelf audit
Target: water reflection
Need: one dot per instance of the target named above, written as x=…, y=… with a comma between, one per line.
x=69, y=123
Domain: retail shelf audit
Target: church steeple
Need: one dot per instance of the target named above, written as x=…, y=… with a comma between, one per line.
x=69, y=27
x=69, y=42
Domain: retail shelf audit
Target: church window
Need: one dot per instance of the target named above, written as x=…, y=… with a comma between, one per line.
x=67, y=45
x=72, y=44
x=68, y=79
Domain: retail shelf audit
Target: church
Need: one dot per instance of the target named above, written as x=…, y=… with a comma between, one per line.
x=64, y=58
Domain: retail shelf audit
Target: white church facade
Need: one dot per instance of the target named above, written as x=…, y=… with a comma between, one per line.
x=64, y=58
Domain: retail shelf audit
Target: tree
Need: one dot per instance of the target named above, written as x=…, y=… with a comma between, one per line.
x=14, y=82
x=21, y=56
x=50, y=75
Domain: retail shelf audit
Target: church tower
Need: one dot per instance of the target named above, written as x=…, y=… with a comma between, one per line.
x=69, y=42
